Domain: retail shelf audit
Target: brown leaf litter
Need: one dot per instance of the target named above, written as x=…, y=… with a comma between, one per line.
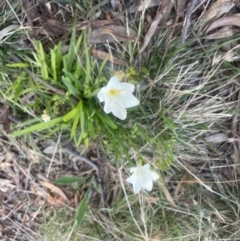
x=25, y=187
x=214, y=20
x=138, y=6
x=5, y=113
x=154, y=25
x=112, y=33
x=216, y=10
x=48, y=22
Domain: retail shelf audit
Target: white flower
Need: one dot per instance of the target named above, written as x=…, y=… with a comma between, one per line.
x=142, y=178
x=117, y=97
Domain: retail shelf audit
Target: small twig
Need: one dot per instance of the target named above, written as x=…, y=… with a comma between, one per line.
x=53, y=155
x=82, y=158
x=37, y=79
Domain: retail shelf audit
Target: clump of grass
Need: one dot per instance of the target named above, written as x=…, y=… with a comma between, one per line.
x=184, y=101
x=76, y=109
x=180, y=107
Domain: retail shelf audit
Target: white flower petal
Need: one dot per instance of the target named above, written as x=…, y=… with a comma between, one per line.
x=154, y=176
x=127, y=99
x=114, y=83
x=135, y=182
x=109, y=106
x=146, y=167
x=133, y=169
x=127, y=87
x=102, y=94
x=120, y=112
x=132, y=179
x=146, y=182
x=136, y=187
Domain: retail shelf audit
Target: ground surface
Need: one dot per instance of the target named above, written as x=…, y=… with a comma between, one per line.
x=65, y=179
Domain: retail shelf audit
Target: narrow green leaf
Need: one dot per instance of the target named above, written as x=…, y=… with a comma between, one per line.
x=86, y=141
x=38, y=62
x=102, y=66
x=18, y=65
x=71, y=51
x=59, y=56
x=83, y=129
x=79, y=41
x=44, y=71
x=82, y=136
x=80, y=105
x=90, y=126
x=18, y=90
x=65, y=64
x=53, y=64
x=70, y=87
x=70, y=115
x=75, y=124
x=94, y=93
x=38, y=127
x=27, y=123
x=106, y=119
x=82, y=209
x=74, y=79
x=68, y=180
x=88, y=63
x=170, y=125
x=43, y=60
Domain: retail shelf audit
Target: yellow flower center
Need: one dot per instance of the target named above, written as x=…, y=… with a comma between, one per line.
x=113, y=92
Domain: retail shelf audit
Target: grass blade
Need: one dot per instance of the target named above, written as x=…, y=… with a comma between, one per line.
x=82, y=209
x=38, y=127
